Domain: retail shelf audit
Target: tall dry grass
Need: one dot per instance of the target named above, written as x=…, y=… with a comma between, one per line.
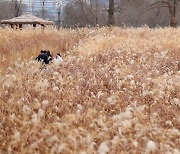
x=117, y=91
x=25, y=44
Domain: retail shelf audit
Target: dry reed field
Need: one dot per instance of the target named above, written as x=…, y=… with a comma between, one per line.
x=117, y=91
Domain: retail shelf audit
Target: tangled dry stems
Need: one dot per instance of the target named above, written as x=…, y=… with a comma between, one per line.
x=117, y=91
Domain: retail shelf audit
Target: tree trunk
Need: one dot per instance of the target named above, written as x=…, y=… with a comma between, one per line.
x=173, y=22
x=111, y=21
x=173, y=12
x=97, y=12
x=17, y=8
x=43, y=5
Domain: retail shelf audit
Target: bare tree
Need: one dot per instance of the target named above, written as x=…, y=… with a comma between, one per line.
x=59, y=16
x=111, y=11
x=140, y=12
x=97, y=12
x=78, y=13
x=17, y=7
x=9, y=9
x=172, y=6
x=6, y=11
x=32, y=7
x=43, y=8
x=122, y=12
x=59, y=5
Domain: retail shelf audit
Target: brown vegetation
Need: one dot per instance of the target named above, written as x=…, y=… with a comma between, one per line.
x=117, y=91
x=25, y=44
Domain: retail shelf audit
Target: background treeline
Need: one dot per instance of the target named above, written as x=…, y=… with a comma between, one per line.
x=83, y=13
